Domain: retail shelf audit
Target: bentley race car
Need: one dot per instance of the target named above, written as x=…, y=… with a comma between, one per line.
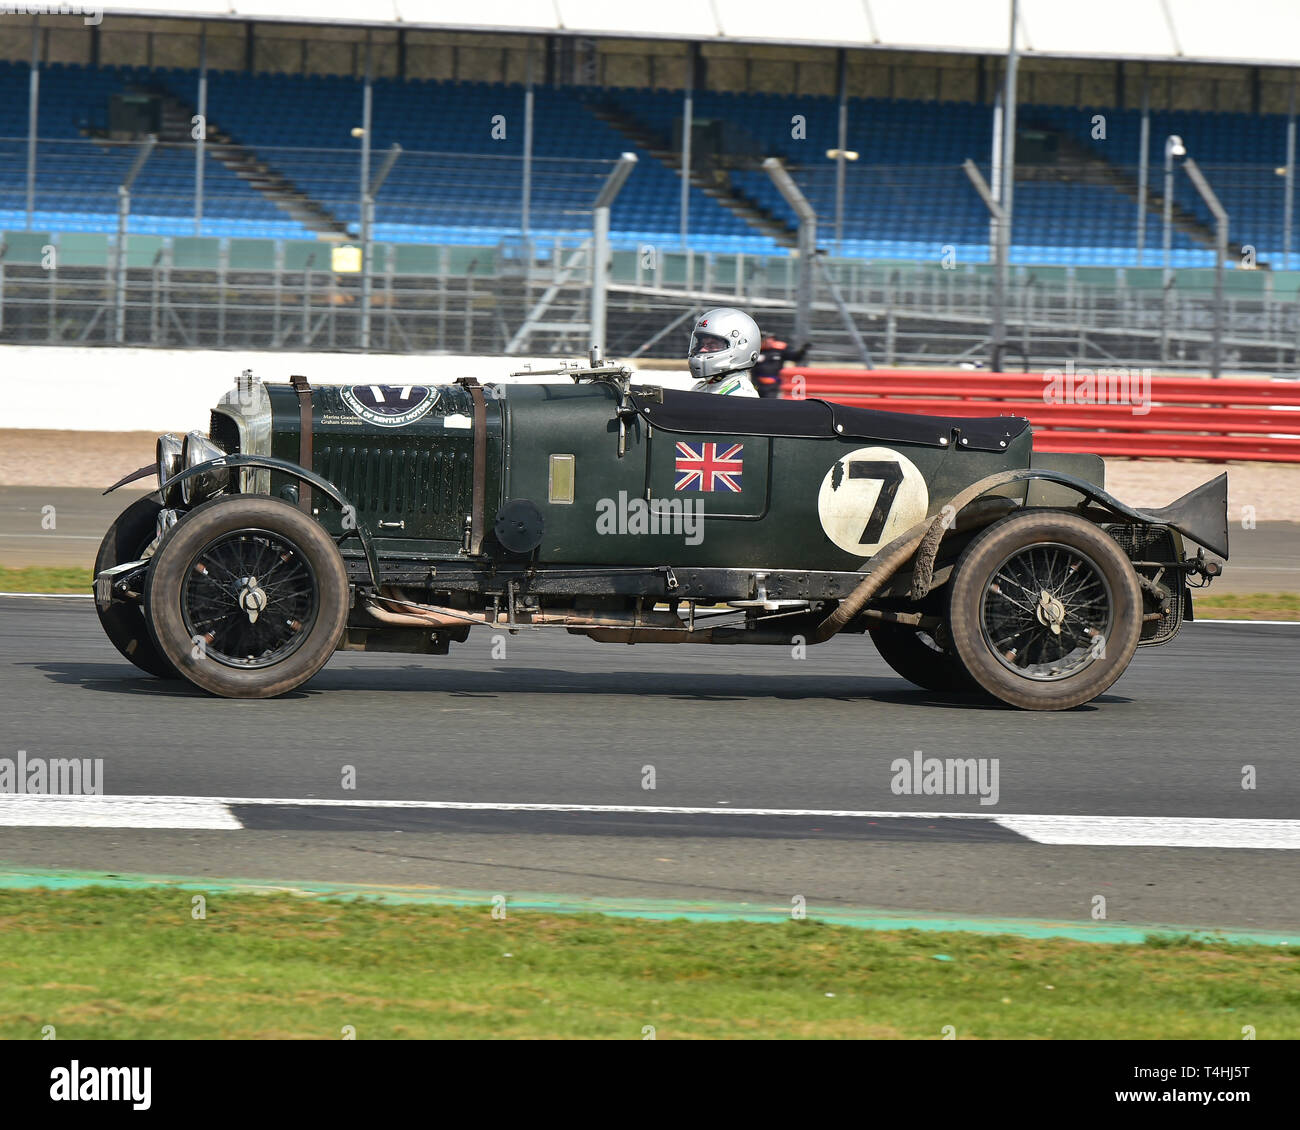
x=386, y=518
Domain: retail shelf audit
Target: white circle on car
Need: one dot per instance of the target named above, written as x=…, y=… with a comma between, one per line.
x=869, y=497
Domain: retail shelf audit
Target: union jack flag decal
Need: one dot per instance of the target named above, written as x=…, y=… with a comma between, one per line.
x=710, y=467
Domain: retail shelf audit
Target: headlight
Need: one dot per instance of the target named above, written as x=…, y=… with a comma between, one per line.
x=197, y=449
x=169, y=465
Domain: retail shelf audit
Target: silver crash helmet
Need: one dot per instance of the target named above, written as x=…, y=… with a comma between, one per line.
x=723, y=341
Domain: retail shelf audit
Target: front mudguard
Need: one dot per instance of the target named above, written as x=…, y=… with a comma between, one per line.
x=301, y=474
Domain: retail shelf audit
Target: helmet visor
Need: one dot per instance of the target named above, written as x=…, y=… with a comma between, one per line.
x=707, y=343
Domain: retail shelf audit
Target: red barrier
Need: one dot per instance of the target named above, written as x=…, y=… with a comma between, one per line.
x=1166, y=417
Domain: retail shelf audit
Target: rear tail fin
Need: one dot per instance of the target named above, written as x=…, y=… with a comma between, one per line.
x=1201, y=514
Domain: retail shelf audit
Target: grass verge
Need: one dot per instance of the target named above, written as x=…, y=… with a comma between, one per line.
x=105, y=964
x=1248, y=606
x=1224, y=606
x=45, y=578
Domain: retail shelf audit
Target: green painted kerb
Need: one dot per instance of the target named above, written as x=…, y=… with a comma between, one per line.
x=862, y=918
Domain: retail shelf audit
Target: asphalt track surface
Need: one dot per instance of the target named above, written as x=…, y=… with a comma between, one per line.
x=562, y=721
x=80, y=518
x=1264, y=559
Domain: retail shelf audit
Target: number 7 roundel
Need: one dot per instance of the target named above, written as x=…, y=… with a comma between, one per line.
x=869, y=497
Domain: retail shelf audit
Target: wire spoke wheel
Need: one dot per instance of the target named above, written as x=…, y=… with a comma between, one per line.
x=1047, y=611
x=250, y=598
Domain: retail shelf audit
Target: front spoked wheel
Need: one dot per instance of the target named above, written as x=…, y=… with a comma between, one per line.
x=921, y=659
x=251, y=598
x=248, y=597
x=1046, y=610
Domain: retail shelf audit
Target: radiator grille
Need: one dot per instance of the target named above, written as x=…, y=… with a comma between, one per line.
x=1143, y=543
x=224, y=432
x=425, y=485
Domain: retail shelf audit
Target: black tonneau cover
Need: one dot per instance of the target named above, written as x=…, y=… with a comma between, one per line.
x=821, y=419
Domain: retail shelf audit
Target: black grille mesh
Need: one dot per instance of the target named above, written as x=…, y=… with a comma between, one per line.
x=425, y=483
x=224, y=432
x=1155, y=544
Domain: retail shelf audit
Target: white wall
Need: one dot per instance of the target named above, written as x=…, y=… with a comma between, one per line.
x=157, y=390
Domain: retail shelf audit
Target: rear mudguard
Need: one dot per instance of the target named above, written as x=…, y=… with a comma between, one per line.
x=1190, y=516
x=1201, y=515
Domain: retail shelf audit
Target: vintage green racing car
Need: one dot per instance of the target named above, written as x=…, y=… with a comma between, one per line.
x=387, y=518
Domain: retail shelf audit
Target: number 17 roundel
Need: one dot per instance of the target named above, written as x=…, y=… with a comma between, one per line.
x=869, y=497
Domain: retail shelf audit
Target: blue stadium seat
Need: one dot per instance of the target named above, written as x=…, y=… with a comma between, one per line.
x=906, y=196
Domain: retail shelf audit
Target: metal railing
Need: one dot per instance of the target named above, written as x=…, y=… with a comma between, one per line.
x=287, y=294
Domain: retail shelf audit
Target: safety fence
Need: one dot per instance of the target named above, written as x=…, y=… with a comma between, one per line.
x=1116, y=412
x=229, y=292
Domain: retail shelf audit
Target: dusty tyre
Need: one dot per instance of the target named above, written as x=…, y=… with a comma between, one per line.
x=1045, y=610
x=125, y=624
x=918, y=658
x=247, y=597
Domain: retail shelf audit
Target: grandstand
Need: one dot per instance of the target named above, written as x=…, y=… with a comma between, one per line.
x=282, y=162
x=904, y=201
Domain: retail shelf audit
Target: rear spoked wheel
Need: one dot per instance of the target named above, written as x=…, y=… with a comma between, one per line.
x=1045, y=610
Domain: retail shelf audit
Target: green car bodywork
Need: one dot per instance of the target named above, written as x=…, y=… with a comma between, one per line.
x=421, y=475
x=629, y=513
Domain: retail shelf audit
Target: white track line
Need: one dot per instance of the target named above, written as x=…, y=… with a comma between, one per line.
x=1211, y=620
x=134, y=804
x=200, y=813
x=54, y=595
x=1091, y=831
x=1156, y=831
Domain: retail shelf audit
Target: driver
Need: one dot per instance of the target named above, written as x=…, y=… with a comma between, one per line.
x=724, y=347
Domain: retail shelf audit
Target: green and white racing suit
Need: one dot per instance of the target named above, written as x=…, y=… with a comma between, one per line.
x=727, y=384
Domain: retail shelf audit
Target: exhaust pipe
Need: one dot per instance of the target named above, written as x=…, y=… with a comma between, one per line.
x=783, y=637
x=432, y=616
x=893, y=558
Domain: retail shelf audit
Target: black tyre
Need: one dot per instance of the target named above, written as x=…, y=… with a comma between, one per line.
x=125, y=624
x=920, y=659
x=1045, y=611
x=247, y=597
